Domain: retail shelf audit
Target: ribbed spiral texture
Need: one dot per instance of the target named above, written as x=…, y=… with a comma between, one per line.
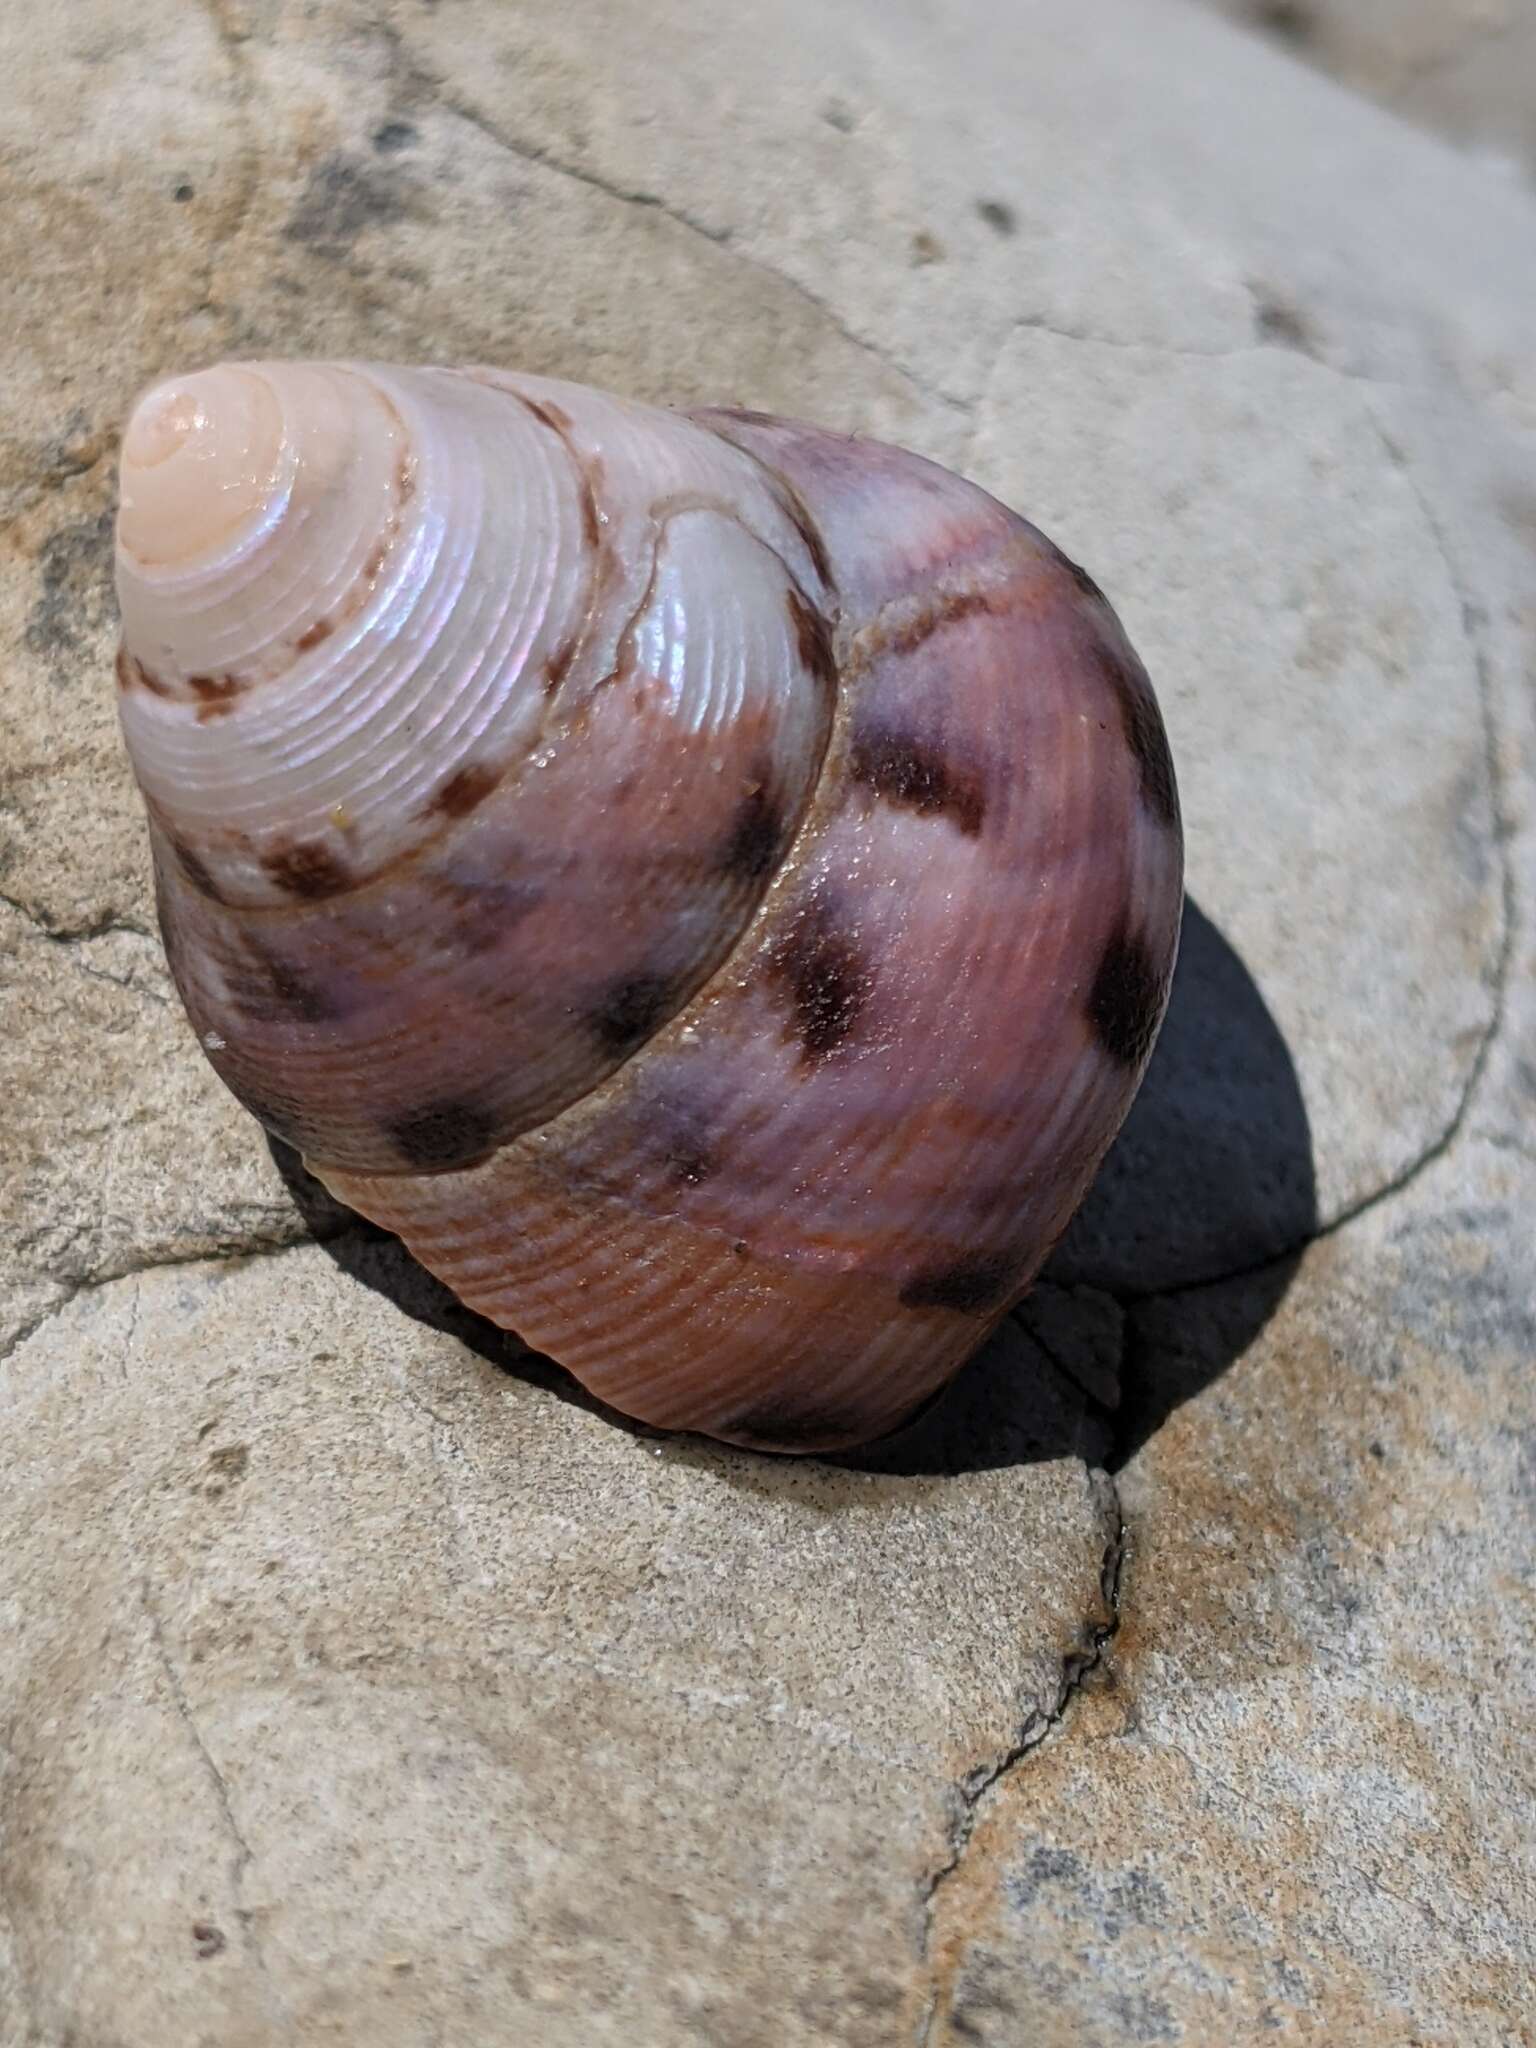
x=472, y=713
x=738, y=867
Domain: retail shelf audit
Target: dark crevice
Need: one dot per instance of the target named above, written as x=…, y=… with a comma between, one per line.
x=216, y=1253
x=654, y=202
x=973, y=1791
x=98, y=927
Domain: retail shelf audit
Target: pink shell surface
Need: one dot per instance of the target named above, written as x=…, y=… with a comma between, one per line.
x=798, y=1211
x=895, y=946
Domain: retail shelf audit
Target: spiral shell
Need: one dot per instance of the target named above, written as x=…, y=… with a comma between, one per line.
x=709, y=884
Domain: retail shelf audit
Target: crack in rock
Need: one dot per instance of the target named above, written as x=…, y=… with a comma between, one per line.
x=101, y=926
x=979, y=1785
x=719, y=237
x=1503, y=833
x=242, y=1855
x=206, y=1254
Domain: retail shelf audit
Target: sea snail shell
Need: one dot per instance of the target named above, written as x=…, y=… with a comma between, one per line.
x=709, y=884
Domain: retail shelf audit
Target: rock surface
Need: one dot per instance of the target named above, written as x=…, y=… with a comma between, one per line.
x=1465, y=67
x=361, y=1682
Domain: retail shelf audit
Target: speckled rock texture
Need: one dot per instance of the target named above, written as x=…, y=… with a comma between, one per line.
x=1170, y=1680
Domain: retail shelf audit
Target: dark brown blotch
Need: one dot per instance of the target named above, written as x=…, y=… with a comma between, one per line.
x=589, y=470
x=948, y=610
x=443, y=1135
x=481, y=914
x=293, y=994
x=1125, y=1004
x=967, y=1287
x=150, y=681
x=810, y=534
x=629, y=1012
x=757, y=835
x=788, y=1426
x=131, y=676
x=1144, y=733
x=813, y=637
x=405, y=478
x=172, y=937
x=910, y=773
x=548, y=414
x=591, y=524
x=466, y=789
x=306, y=867
x=748, y=417
x=195, y=868
x=825, y=978
x=313, y=635
x=559, y=662
x=215, y=695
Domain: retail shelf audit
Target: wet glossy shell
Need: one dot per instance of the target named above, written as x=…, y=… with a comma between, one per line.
x=709, y=884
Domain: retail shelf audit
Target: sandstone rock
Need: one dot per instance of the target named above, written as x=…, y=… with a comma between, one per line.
x=362, y=1683
x=1465, y=67
x=1298, y=1794
x=371, y=1691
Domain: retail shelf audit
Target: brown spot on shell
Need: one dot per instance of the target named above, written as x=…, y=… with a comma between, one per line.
x=482, y=913
x=466, y=788
x=813, y=637
x=591, y=524
x=442, y=1135
x=1144, y=732
x=195, y=868
x=825, y=978
x=312, y=636
x=282, y=990
x=559, y=662
x=967, y=1287
x=1125, y=1004
x=588, y=469
x=215, y=694
x=405, y=478
x=756, y=835
x=799, y=517
x=553, y=416
x=306, y=867
x=630, y=1011
x=172, y=936
x=947, y=610
x=908, y=772
x=132, y=674
x=789, y=500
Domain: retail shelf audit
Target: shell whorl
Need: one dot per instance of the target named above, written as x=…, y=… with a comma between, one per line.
x=470, y=734
x=711, y=885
